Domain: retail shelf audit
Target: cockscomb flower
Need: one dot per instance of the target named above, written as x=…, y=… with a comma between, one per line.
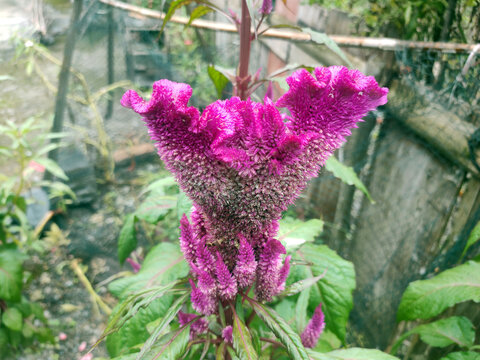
x=242, y=163
x=198, y=327
x=314, y=328
x=227, y=334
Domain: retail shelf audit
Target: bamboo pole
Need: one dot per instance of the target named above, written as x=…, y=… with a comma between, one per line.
x=342, y=40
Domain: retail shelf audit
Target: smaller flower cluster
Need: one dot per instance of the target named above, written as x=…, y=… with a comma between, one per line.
x=314, y=328
x=215, y=281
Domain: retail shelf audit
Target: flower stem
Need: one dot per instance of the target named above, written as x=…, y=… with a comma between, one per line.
x=245, y=44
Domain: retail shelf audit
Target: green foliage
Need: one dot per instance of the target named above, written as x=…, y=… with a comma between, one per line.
x=127, y=240
x=424, y=299
x=324, y=39
x=24, y=152
x=162, y=265
x=293, y=232
x=346, y=174
x=11, y=273
x=462, y=355
x=161, y=326
x=219, y=80
x=284, y=333
x=334, y=289
x=472, y=239
x=352, y=354
x=444, y=332
x=242, y=340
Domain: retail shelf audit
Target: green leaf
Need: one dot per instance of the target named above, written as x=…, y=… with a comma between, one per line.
x=52, y=167
x=171, y=347
x=462, y=355
x=281, y=329
x=334, y=290
x=132, y=304
x=453, y=330
x=11, y=273
x=159, y=185
x=174, y=6
x=424, y=299
x=301, y=285
x=198, y=12
x=293, y=232
x=352, y=354
x=301, y=310
x=127, y=240
x=162, y=325
x=133, y=331
x=12, y=319
x=346, y=174
x=155, y=207
x=218, y=79
x=184, y=205
x=162, y=265
x=327, y=342
x=472, y=239
x=242, y=340
x=322, y=38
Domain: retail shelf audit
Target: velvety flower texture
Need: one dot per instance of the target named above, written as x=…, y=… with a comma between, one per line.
x=242, y=163
x=314, y=328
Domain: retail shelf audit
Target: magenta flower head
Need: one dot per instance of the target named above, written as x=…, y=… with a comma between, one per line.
x=314, y=328
x=242, y=163
x=227, y=334
x=267, y=7
x=198, y=327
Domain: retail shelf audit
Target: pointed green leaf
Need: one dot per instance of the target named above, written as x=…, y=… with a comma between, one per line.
x=334, y=290
x=198, y=12
x=12, y=319
x=281, y=329
x=301, y=310
x=166, y=320
x=52, y=167
x=174, y=6
x=424, y=299
x=346, y=174
x=133, y=331
x=155, y=207
x=127, y=240
x=11, y=273
x=170, y=347
x=462, y=355
x=242, y=340
x=301, y=285
x=293, y=232
x=162, y=265
x=184, y=205
x=352, y=354
x=218, y=79
x=473, y=238
x=444, y=332
x=322, y=38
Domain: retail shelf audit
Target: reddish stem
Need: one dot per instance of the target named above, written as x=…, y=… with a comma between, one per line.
x=245, y=42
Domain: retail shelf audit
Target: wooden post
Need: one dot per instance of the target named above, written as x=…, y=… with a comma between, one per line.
x=61, y=98
x=110, y=63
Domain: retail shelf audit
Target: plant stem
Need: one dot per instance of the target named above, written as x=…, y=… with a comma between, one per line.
x=245, y=44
